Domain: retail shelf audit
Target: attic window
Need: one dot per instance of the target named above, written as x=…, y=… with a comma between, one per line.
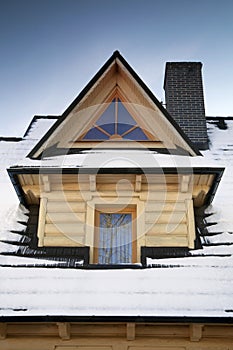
x=114, y=237
x=115, y=123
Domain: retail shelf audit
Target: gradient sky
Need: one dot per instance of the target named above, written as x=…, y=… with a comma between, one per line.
x=50, y=49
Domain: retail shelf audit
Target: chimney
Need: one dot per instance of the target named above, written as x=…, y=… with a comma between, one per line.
x=185, y=99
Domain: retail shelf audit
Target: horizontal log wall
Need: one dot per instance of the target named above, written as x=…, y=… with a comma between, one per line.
x=168, y=212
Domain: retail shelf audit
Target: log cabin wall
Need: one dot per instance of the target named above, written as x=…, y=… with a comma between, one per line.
x=164, y=207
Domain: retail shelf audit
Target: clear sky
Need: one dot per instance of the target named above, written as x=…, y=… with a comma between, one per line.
x=50, y=49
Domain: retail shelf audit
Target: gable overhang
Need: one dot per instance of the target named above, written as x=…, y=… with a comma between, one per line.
x=117, y=60
x=15, y=172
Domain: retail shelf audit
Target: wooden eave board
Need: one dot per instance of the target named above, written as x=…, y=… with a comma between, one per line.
x=116, y=72
x=33, y=186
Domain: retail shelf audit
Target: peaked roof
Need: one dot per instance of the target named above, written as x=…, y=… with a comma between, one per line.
x=116, y=57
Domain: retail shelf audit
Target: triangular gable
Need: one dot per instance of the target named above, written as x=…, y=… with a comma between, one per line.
x=115, y=123
x=115, y=83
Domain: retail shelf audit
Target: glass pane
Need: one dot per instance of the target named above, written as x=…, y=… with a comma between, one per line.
x=121, y=128
x=95, y=134
x=108, y=116
x=136, y=134
x=115, y=238
x=110, y=128
x=123, y=115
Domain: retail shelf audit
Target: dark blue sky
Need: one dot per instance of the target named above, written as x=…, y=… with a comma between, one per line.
x=50, y=49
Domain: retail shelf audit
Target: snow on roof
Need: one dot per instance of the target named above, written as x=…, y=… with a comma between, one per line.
x=200, y=285
x=10, y=153
x=182, y=291
x=141, y=158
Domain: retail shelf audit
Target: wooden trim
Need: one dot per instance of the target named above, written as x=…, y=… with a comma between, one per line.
x=131, y=331
x=190, y=223
x=3, y=330
x=41, y=222
x=195, y=332
x=129, y=209
x=64, y=330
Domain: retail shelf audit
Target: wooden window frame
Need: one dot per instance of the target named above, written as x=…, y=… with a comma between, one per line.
x=114, y=209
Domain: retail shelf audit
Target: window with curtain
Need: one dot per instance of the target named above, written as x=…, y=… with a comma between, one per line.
x=115, y=238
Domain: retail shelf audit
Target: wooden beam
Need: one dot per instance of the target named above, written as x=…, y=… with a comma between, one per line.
x=130, y=331
x=3, y=330
x=64, y=330
x=195, y=331
x=185, y=183
x=41, y=223
x=190, y=223
x=92, y=179
x=46, y=183
x=199, y=195
x=138, y=183
x=35, y=190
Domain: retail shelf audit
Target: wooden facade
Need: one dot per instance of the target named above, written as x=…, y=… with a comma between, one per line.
x=115, y=336
x=164, y=206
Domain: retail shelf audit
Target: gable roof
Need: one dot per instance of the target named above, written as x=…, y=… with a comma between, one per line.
x=117, y=60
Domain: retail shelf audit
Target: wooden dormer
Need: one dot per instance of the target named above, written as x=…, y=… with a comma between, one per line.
x=115, y=174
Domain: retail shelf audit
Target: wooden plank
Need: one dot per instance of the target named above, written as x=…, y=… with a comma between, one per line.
x=41, y=221
x=69, y=178
x=167, y=229
x=195, y=332
x=138, y=183
x=130, y=331
x=114, y=178
x=35, y=178
x=3, y=330
x=210, y=180
x=63, y=242
x=160, y=178
x=168, y=196
x=116, y=144
x=35, y=189
x=190, y=223
x=46, y=182
x=66, y=207
x=64, y=330
x=164, y=206
x=166, y=241
x=66, y=228
x=163, y=218
x=185, y=180
x=65, y=218
x=160, y=187
x=203, y=179
x=70, y=196
x=92, y=183
x=71, y=186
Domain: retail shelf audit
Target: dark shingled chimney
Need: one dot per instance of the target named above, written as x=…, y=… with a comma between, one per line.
x=185, y=99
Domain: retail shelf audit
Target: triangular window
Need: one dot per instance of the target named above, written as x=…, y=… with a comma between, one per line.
x=115, y=123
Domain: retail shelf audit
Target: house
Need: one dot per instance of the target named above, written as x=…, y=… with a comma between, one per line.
x=116, y=243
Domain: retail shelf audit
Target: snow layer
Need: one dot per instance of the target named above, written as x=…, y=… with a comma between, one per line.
x=154, y=292
x=11, y=152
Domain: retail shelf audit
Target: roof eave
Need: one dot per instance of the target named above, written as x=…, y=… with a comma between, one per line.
x=126, y=319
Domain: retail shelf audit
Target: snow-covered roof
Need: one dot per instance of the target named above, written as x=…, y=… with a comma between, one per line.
x=195, y=286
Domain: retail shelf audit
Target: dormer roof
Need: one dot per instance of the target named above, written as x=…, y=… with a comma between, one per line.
x=115, y=81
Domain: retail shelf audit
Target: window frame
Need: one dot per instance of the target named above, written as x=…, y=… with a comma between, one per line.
x=106, y=209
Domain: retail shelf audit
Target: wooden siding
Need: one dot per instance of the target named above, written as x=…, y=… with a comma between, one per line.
x=117, y=336
x=166, y=203
x=168, y=214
